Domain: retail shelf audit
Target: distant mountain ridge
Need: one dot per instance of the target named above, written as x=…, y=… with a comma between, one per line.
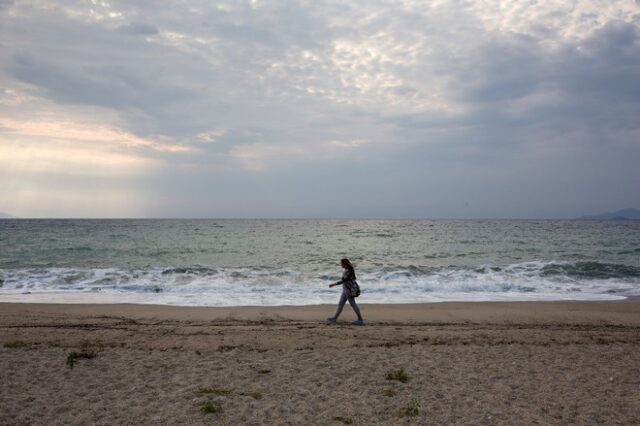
x=617, y=215
x=4, y=215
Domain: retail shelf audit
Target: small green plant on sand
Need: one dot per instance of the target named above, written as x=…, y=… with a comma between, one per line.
x=212, y=391
x=73, y=356
x=17, y=344
x=410, y=410
x=209, y=408
x=399, y=375
x=345, y=420
x=226, y=348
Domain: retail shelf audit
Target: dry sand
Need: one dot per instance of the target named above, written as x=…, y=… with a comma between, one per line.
x=466, y=363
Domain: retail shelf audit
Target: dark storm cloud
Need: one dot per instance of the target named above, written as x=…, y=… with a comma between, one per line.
x=5, y=4
x=105, y=85
x=609, y=66
x=594, y=83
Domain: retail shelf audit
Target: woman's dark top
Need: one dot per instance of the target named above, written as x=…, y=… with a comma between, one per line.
x=349, y=284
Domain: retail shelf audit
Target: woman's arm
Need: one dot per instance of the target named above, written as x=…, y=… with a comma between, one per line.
x=345, y=276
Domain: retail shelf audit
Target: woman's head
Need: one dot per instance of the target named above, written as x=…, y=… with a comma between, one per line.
x=347, y=265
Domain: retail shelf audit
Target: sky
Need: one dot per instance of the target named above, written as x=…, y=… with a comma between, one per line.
x=319, y=109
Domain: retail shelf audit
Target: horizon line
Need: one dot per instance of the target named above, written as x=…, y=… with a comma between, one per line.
x=585, y=217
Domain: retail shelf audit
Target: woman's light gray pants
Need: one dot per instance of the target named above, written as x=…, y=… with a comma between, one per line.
x=352, y=302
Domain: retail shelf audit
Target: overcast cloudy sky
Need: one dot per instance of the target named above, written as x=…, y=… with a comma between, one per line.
x=339, y=109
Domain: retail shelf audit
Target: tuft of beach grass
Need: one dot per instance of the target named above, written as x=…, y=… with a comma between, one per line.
x=17, y=344
x=210, y=408
x=411, y=410
x=73, y=356
x=399, y=375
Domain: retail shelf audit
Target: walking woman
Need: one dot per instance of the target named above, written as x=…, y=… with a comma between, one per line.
x=350, y=290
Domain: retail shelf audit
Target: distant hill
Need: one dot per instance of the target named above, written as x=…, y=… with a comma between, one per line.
x=6, y=216
x=617, y=215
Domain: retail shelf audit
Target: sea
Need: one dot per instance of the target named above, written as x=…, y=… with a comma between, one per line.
x=291, y=262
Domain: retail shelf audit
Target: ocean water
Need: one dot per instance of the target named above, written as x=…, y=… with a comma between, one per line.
x=291, y=262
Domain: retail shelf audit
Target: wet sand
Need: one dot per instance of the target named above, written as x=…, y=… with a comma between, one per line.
x=465, y=363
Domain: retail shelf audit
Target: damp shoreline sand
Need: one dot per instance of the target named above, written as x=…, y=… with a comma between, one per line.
x=466, y=363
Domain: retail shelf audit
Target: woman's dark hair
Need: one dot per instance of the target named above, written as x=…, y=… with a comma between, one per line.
x=347, y=264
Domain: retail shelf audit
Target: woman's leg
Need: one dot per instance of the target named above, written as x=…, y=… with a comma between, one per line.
x=343, y=300
x=354, y=305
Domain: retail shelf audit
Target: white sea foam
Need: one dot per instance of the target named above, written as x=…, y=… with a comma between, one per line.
x=198, y=286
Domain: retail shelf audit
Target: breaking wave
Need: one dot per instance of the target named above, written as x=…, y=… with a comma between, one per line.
x=261, y=285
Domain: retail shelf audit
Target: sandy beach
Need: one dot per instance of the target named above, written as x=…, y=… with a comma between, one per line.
x=447, y=363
